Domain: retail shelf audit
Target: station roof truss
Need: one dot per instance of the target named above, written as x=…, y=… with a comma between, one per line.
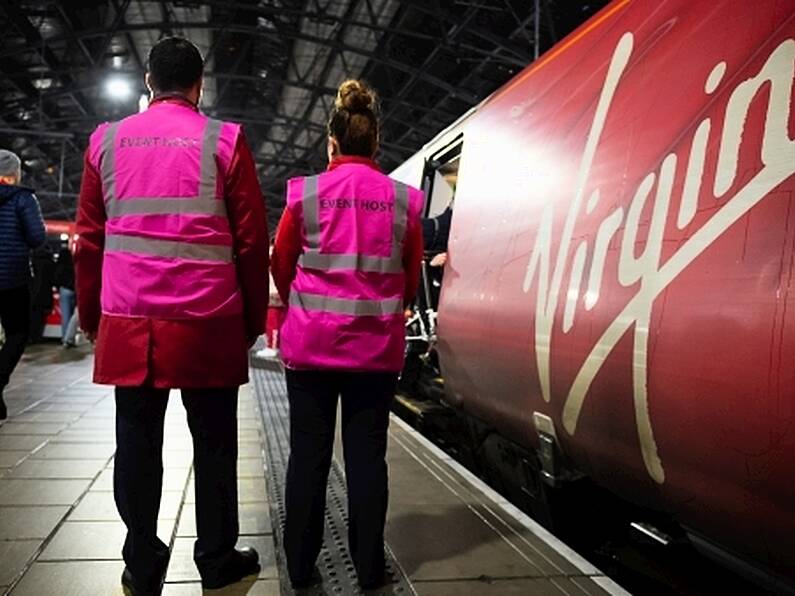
x=273, y=65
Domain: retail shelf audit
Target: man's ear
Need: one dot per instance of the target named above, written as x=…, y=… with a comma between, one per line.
x=148, y=83
x=199, y=89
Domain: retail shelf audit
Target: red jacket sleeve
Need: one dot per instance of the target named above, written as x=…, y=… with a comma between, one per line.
x=246, y=209
x=89, y=247
x=412, y=260
x=286, y=251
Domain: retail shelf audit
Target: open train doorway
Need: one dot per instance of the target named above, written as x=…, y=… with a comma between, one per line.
x=421, y=380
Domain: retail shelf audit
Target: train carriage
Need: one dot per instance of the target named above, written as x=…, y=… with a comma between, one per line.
x=618, y=297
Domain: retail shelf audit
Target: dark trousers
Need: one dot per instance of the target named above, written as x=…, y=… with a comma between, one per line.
x=138, y=476
x=366, y=398
x=15, y=319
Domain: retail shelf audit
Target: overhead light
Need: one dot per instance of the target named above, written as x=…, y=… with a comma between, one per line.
x=64, y=237
x=118, y=88
x=43, y=83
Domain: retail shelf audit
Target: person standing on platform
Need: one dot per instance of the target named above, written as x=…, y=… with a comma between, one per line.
x=346, y=262
x=41, y=286
x=21, y=230
x=65, y=282
x=275, y=318
x=172, y=274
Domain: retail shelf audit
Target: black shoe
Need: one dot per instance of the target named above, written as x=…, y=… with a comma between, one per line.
x=379, y=581
x=134, y=589
x=303, y=583
x=237, y=565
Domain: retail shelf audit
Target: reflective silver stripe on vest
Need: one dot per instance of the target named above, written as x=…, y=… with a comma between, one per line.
x=314, y=259
x=168, y=248
x=107, y=163
x=209, y=170
x=326, y=262
x=400, y=219
x=205, y=203
x=345, y=306
x=311, y=206
x=165, y=206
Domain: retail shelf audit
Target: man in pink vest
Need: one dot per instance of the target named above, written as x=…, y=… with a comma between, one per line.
x=172, y=262
x=346, y=262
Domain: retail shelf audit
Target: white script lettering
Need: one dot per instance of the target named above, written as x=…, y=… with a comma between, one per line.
x=778, y=159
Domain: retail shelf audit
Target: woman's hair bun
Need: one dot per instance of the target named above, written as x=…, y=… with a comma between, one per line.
x=355, y=96
x=353, y=122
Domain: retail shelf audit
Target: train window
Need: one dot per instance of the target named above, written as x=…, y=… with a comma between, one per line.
x=441, y=176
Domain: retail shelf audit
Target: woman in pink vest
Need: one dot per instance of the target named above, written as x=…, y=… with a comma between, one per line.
x=346, y=262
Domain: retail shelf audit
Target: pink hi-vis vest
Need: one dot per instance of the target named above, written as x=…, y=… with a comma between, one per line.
x=168, y=245
x=346, y=301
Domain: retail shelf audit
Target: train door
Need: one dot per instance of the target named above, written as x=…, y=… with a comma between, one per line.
x=439, y=179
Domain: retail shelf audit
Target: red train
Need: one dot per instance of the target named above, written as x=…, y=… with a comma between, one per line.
x=619, y=296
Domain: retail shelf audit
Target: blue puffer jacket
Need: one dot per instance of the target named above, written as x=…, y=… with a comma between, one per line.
x=21, y=229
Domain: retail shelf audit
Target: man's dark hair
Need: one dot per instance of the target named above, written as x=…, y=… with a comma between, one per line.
x=175, y=64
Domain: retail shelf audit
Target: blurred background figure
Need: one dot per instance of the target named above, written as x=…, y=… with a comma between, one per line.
x=65, y=282
x=21, y=229
x=436, y=231
x=42, y=281
x=273, y=323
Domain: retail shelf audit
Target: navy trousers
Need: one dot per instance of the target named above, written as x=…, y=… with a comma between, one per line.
x=15, y=318
x=366, y=398
x=138, y=476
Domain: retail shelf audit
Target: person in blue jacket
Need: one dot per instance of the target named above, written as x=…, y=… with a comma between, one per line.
x=21, y=230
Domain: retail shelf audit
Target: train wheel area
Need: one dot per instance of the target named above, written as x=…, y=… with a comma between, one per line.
x=644, y=551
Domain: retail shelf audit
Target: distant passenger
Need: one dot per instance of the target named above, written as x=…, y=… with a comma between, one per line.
x=436, y=231
x=172, y=275
x=273, y=325
x=65, y=282
x=42, y=263
x=346, y=262
x=21, y=229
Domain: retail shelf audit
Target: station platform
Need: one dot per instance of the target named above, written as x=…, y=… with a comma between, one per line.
x=60, y=532
x=447, y=533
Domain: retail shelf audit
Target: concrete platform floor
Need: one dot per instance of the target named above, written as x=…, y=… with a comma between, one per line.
x=60, y=532
x=59, y=529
